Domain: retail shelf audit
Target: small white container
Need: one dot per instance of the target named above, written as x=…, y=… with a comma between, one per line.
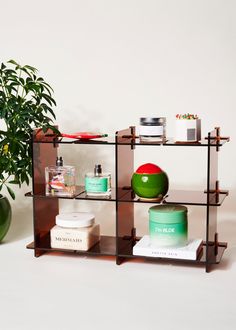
x=188, y=130
x=75, y=231
x=152, y=129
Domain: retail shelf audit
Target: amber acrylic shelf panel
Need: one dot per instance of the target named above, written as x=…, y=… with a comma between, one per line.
x=120, y=246
x=80, y=193
x=105, y=247
x=210, y=197
x=128, y=140
x=127, y=252
x=169, y=142
x=180, y=197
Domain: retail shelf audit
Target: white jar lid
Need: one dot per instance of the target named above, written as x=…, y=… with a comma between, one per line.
x=75, y=219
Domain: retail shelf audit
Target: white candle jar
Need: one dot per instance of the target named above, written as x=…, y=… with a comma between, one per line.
x=152, y=129
x=75, y=231
x=188, y=130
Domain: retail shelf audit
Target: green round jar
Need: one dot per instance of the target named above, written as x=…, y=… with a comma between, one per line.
x=150, y=182
x=168, y=225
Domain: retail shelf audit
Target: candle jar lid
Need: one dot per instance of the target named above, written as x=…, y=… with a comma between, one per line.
x=75, y=219
x=152, y=121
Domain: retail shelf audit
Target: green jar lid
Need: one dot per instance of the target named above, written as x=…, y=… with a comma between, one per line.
x=168, y=213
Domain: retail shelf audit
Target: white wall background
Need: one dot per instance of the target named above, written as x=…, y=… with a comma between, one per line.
x=111, y=62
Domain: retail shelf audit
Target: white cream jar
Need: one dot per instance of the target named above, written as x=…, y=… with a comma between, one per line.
x=152, y=129
x=75, y=231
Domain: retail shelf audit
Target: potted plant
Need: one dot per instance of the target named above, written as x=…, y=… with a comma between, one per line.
x=25, y=103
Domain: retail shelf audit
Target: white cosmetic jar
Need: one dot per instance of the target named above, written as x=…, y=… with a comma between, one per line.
x=152, y=129
x=75, y=231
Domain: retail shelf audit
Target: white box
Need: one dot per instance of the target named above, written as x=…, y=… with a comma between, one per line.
x=188, y=252
x=188, y=130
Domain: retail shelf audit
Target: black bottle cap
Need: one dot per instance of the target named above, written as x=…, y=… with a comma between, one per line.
x=98, y=169
x=152, y=121
x=59, y=161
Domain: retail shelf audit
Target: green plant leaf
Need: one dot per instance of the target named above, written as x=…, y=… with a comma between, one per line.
x=11, y=192
x=49, y=99
x=26, y=102
x=31, y=68
x=14, y=182
x=13, y=62
x=3, y=66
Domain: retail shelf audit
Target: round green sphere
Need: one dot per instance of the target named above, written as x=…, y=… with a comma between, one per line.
x=152, y=185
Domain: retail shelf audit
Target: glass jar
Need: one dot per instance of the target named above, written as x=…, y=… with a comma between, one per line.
x=152, y=129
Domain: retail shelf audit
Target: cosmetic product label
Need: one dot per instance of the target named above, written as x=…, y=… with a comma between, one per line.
x=96, y=184
x=168, y=234
x=74, y=238
x=151, y=130
x=165, y=229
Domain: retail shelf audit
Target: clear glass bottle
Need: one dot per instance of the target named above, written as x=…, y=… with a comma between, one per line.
x=98, y=183
x=60, y=179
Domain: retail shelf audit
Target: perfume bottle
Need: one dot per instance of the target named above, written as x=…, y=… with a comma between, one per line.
x=60, y=179
x=98, y=183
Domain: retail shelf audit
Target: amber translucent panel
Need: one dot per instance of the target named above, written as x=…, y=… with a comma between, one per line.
x=80, y=193
x=187, y=197
x=50, y=138
x=124, y=171
x=111, y=198
x=211, y=216
x=127, y=252
x=123, y=137
x=128, y=139
x=105, y=247
x=46, y=207
x=45, y=210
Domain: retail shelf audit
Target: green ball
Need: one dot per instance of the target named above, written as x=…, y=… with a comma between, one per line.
x=150, y=185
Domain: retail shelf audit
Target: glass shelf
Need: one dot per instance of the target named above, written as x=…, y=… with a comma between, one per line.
x=185, y=197
x=111, y=140
x=80, y=194
x=105, y=247
x=126, y=195
x=170, y=142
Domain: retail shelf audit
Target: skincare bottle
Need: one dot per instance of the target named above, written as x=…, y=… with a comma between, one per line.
x=60, y=179
x=97, y=183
